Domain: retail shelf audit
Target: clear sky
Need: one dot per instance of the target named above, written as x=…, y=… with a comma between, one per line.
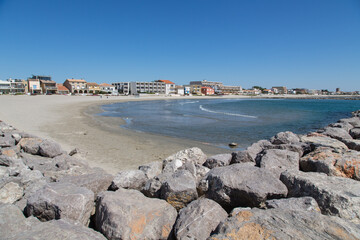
x=312, y=44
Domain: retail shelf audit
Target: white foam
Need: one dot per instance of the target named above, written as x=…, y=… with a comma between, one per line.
x=225, y=113
x=182, y=103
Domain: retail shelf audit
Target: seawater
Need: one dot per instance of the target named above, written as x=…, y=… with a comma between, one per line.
x=222, y=121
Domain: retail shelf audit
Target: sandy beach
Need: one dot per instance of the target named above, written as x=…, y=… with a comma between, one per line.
x=71, y=121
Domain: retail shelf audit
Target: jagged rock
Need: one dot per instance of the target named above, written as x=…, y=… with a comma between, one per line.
x=242, y=185
x=5, y=160
x=132, y=179
x=152, y=169
x=337, y=133
x=257, y=147
x=219, y=160
x=17, y=137
x=332, y=162
x=201, y=171
x=7, y=141
x=300, y=148
x=128, y=214
x=354, y=121
x=241, y=157
x=284, y=224
x=353, y=144
x=319, y=140
x=152, y=186
x=335, y=195
x=12, y=152
x=301, y=203
x=30, y=145
x=61, y=200
x=355, y=133
x=194, y=155
x=346, y=126
x=10, y=193
x=96, y=182
x=13, y=221
x=6, y=127
x=276, y=161
x=36, y=162
x=179, y=189
x=58, y=230
x=285, y=138
x=198, y=219
x=48, y=148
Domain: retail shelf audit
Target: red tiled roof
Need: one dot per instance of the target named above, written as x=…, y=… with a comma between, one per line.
x=106, y=85
x=61, y=87
x=76, y=80
x=92, y=84
x=166, y=81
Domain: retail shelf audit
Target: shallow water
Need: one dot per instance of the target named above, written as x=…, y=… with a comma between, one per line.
x=221, y=121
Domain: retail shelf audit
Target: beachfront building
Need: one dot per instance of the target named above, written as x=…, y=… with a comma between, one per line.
x=93, y=88
x=48, y=87
x=133, y=88
x=4, y=87
x=76, y=86
x=207, y=91
x=41, y=77
x=34, y=86
x=61, y=89
x=197, y=85
x=18, y=86
x=179, y=90
x=187, y=89
x=170, y=87
x=279, y=90
x=107, y=88
x=221, y=89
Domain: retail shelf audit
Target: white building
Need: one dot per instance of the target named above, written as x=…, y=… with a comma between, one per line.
x=132, y=88
x=104, y=87
x=4, y=87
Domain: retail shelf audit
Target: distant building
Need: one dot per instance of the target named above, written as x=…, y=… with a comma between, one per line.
x=76, y=85
x=48, y=86
x=61, y=89
x=93, y=88
x=105, y=87
x=18, y=86
x=197, y=85
x=40, y=77
x=279, y=90
x=132, y=88
x=221, y=89
x=169, y=86
x=266, y=91
x=4, y=87
x=187, y=89
x=207, y=91
x=34, y=86
x=179, y=90
x=300, y=91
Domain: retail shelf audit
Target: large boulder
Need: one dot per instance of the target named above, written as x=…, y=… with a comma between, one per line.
x=337, y=133
x=276, y=161
x=194, y=155
x=354, y=121
x=152, y=187
x=30, y=145
x=284, y=224
x=128, y=214
x=58, y=230
x=219, y=160
x=199, y=219
x=241, y=157
x=152, y=169
x=335, y=195
x=319, y=140
x=61, y=200
x=131, y=179
x=10, y=193
x=332, y=162
x=179, y=189
x=7, y=141
x=353, y=144
x=285, y=138
x=48, y=148
x=344, y=125
x=355, y=133
x=301, y=203
x=243, y=185
x=257, y=147
x=300, y=148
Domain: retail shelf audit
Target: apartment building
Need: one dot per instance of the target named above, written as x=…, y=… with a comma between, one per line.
x=170, y=87
x=76, y=86
x=4, y=87
x=132, y=88
x=48, y=86
x=34, y=86
x=18, y=86
x=93, y=88
x=228, y=89
x=279, y=90
x=195, y=86
x=207, y=91
x=105, y=87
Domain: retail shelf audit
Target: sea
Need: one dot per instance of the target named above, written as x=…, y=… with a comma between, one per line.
x=219, y=122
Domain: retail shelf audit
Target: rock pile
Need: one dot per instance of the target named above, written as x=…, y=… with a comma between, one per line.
x=288, y=187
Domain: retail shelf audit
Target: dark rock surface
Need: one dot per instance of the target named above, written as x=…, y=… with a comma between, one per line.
x=219, y=160
x=129, y=179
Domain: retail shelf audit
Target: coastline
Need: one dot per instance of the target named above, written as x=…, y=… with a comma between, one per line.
x=72, y=122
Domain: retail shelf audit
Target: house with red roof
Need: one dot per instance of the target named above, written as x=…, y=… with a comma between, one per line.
x=61, y=89
x=170, y=87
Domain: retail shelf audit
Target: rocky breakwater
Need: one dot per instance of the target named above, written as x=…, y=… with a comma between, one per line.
x=288, y=187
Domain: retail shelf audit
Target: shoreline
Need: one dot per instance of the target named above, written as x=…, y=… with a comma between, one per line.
x=71, y=121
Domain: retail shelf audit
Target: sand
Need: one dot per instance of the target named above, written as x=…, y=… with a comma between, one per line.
x=71, y=121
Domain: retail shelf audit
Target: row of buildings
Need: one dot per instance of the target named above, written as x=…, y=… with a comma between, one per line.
x=45, y=85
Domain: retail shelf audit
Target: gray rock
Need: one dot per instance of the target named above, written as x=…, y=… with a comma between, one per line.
x=96, y=182
x=354, y=121
x=128, y=214
x=17, y=137
x=297, y=204
x=356, y=113
x=284, y=224
x=10, y=193
x=353, y=144
x=152, y=169
x=319, y=140
x=333, y=162
x=48, y=148
x=242, y=185
x=59, y=230
x=61, y=200
x=131, y=179
x=179, y=189
x=300, y=148
x=335, y=195
x=355, y=133
x=257, y=147
x=241, y=157
x=285, y=138
x=194, y=155
x=199, y=219
x=201, y=172
x=276, y=161
x=7, y=141
x=13, y=221
x=12, y=152
x=345, y=125
x=337, y=133
x=152, y=187
x=30, y=145
x=219, y=160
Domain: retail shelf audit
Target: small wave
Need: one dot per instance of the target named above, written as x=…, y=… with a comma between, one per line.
x=225, y=113
x=188, y=102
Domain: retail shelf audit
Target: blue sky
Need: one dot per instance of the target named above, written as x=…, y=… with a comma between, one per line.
x=313, y=44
